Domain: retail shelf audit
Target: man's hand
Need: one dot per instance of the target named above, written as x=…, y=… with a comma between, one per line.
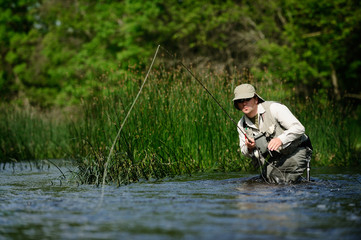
x=250, y=143
x=274, y=144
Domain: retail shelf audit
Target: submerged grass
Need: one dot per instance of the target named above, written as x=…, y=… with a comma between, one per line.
x=174, y=129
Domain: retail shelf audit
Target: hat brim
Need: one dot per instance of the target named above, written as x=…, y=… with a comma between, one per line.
x=244, y=96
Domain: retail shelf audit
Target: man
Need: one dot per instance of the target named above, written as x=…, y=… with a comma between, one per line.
x=270, y=134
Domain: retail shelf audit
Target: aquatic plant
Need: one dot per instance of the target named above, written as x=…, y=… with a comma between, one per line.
x=331, y=128
x=174, y=129
x=27, y=134
x=177, y=129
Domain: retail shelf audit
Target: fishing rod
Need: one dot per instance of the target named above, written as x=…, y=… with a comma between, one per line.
x=223, y=109
x=206, y=89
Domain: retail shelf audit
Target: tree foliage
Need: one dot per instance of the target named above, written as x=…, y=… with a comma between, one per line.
x=56, y=52
x=318, y=42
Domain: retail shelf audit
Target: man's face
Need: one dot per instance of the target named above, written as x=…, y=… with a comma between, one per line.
x=248, y=106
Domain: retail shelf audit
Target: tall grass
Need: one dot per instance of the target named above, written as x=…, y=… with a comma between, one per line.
x=175, y=128
x=27, y=134
x=330, y=128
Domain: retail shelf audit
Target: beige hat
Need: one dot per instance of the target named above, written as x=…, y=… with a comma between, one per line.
x=245, y=91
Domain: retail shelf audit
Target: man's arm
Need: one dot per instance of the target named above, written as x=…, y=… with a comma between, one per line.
x=293, y=127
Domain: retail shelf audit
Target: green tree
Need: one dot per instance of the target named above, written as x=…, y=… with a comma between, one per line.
x=16, y=48
x=319, y=45
x=57, y=52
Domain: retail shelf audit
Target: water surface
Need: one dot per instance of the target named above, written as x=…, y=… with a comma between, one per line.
x=36, y=202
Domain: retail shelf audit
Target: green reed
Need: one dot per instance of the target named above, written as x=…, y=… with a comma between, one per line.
x=175, y=128
x=27, y=134
x=330, y=126
x=333, y=126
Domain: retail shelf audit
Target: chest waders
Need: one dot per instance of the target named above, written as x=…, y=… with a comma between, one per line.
x=269, y=129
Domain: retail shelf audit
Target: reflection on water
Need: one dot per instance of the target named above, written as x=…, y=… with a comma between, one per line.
x=38, y=203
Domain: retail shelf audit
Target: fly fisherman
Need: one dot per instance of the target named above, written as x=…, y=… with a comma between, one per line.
x=272, y=136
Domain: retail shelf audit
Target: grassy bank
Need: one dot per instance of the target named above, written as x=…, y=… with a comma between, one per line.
x=174, y=129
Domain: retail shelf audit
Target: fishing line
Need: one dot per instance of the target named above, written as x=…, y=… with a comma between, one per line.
x=206, y=89
x=122, y=125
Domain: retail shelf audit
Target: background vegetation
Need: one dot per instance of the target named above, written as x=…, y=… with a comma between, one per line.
x=69, y=71
x=53, y=51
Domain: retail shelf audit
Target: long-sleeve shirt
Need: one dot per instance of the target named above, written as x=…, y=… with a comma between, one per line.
x=293, y=127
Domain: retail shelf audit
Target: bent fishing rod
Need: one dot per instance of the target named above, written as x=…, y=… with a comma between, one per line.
x=210, y=94
x=206, y=89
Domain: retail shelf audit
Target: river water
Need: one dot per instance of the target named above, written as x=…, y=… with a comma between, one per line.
x=36, y=202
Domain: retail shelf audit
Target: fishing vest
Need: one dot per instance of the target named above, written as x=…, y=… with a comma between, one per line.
x=269, y=129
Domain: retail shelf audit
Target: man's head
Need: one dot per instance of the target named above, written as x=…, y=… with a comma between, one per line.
x=246, y=99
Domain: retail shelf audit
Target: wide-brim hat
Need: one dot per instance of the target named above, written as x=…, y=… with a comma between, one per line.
x=245, y=91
